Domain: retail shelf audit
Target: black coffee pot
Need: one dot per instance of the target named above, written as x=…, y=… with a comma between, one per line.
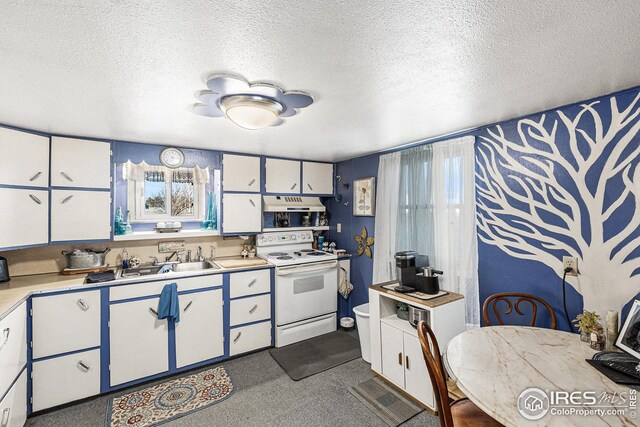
x=4, y=270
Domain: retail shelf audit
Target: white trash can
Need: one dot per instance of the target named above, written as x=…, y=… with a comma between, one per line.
x=362, y=320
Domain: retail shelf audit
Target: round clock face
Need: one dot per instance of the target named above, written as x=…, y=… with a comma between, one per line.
x=172, y=157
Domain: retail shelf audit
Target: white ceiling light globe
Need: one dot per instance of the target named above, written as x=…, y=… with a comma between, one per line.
x=251, y=111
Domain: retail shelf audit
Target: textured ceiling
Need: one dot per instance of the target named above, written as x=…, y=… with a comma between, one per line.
x=384, y=73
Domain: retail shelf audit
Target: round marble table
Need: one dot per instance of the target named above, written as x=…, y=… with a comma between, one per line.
x=494, y=365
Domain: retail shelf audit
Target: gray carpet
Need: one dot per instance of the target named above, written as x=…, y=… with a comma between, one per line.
x=264, y=396
x=309, y=357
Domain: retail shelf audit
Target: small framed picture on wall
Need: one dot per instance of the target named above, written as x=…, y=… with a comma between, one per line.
x=364, y=196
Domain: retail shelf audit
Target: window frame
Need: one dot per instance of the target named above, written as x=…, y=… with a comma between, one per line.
x=135, y=199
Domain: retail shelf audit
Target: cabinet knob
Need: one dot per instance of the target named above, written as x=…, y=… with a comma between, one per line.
x=253, y=309
x=66, y=199
x=67, y=177
x=35, y=199
x=253, y=282
x=237, y=337
x=36, y=176
x=84, y=366
x=251, y=182
x=5, y=417
x=294, y=186
x=5, y=334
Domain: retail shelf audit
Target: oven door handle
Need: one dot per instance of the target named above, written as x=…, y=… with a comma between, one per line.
x=303, y=270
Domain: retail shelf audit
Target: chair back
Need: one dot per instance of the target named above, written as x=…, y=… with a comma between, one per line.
x=431, y=354
x=506, y=296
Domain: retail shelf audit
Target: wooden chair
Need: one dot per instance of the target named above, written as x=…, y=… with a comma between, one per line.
x=461, y=413
x=504, y=296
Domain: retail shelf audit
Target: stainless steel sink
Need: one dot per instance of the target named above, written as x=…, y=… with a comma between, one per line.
x=195, y=266
x=141, y=271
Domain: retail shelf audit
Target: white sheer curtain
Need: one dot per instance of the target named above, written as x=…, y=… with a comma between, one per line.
x=454, y=201
x=388, y=183
x=426, y=202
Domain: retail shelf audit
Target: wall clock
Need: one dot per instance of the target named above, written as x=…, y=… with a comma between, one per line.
x=172, y=157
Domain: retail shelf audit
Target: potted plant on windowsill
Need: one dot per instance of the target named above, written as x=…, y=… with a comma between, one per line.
x=587, y=322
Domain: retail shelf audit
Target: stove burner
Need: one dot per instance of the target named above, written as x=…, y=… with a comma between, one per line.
x=316, y=254
x=307, y=250
x=285, y=257
x=277, y=254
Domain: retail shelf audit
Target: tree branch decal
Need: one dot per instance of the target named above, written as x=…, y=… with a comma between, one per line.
x=564, y=185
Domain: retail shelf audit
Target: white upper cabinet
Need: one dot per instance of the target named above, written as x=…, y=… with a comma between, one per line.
x=24, y=217
x=24, y=158
x=317, y=178
x=241, y=213
x=282, y=176
x=80, y=215
x=241, y=173
x=80, y=163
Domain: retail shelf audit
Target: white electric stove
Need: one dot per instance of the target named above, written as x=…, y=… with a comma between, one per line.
x=306, y=288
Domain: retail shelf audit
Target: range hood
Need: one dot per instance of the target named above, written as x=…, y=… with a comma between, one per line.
x=292, y=204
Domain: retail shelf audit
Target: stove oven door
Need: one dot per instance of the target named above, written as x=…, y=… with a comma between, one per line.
x=306, y=291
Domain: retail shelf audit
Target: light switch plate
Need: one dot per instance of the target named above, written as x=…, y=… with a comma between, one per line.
x=339, y=228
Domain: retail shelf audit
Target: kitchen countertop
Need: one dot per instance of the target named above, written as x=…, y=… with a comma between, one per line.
x=14, y=292
x=432, y=303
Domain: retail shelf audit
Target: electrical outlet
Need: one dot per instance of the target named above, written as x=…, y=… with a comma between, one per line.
x=572, y=263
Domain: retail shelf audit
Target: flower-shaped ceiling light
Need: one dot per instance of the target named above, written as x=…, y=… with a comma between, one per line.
x=249, y=105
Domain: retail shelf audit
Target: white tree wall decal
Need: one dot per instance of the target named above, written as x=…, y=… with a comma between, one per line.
x=541, y=196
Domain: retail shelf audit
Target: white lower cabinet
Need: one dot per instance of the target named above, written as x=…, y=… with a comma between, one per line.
x=13, y=407
x=139, y=341
x=66, y=322
x=403, y=363
x=392, y=363
x=252, y=309
x=248, y=338
x=80, y=215
x=24, y=217
x=13, y=346
x=64, y=379
x=200, y=332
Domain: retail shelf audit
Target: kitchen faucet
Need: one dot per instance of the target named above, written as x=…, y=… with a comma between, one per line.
x=176, y=254
x=188, y=256
x=199, y=256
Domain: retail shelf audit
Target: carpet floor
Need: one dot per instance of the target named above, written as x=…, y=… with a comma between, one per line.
x=264, y=396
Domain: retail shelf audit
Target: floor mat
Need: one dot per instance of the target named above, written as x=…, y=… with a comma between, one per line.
x=389, y=405
x=312, y=356
x=169, y=400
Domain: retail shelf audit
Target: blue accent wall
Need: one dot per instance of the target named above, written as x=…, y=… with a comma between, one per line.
x=498, y=271
x=361, y=266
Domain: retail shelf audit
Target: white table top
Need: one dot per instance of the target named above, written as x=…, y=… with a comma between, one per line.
x=493, y=365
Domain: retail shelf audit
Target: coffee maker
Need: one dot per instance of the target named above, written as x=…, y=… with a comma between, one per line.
x=408, y=264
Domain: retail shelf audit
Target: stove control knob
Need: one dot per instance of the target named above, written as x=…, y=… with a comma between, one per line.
x=293, y=237
x=270, y=238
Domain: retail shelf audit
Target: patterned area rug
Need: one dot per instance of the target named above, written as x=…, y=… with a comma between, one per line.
x=169, y=400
